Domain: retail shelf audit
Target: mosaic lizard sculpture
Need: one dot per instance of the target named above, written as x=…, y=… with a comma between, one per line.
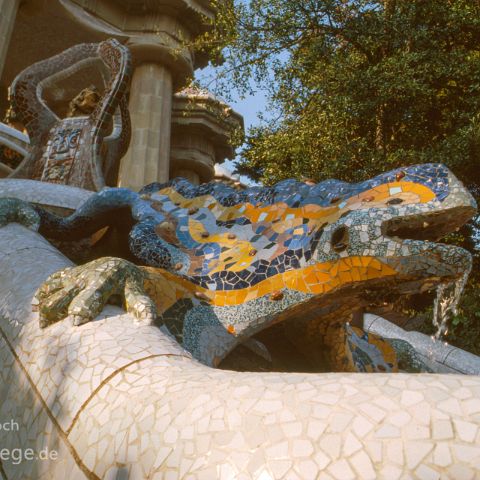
x=223, y=265
x=84, y=149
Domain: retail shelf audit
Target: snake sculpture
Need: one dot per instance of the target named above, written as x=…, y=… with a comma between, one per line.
x=83, y=150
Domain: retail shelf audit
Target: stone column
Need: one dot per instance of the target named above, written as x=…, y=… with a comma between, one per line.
x=201, y=127
x=8, y=12
x=160, y=66
x=148, y=158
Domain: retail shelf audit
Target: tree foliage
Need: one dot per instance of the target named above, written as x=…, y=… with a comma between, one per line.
x=357, y=87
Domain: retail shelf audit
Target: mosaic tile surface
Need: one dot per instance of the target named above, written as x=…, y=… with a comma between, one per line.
x=157, y=413
x=223, y=264
x=63, y=196
x=36, y=431
x=79, y=151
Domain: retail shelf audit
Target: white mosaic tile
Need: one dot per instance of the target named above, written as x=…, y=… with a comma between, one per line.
x=139, y=407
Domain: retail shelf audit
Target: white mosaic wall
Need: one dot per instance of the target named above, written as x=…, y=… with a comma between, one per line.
x=115, y=401
x=44, y=193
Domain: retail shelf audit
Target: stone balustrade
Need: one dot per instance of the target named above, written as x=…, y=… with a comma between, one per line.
x=14, y=140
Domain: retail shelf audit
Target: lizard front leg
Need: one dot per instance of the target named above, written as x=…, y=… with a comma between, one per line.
x=82, y=292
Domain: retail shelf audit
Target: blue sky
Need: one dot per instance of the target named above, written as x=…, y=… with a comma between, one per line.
x=249, y=108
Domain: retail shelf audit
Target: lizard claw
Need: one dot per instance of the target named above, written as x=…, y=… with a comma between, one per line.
x=82, y=292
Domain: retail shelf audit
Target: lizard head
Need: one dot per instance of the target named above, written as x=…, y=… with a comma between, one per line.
x=388, y=228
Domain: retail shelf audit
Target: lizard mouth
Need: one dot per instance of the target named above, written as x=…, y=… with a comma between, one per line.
x=427, y=226
x=419, y=237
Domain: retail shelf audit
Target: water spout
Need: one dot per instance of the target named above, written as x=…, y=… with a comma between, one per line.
x=446, y=303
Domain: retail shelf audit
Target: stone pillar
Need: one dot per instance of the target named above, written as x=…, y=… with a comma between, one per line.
x=8, y=12
x=160, y=66
x=148, y=158
x=201, y=127
x=192, y=154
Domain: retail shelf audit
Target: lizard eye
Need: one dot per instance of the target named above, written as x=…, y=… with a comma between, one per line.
x=340, y=239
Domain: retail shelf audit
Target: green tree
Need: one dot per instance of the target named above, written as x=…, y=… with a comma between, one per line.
x=357, y=87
